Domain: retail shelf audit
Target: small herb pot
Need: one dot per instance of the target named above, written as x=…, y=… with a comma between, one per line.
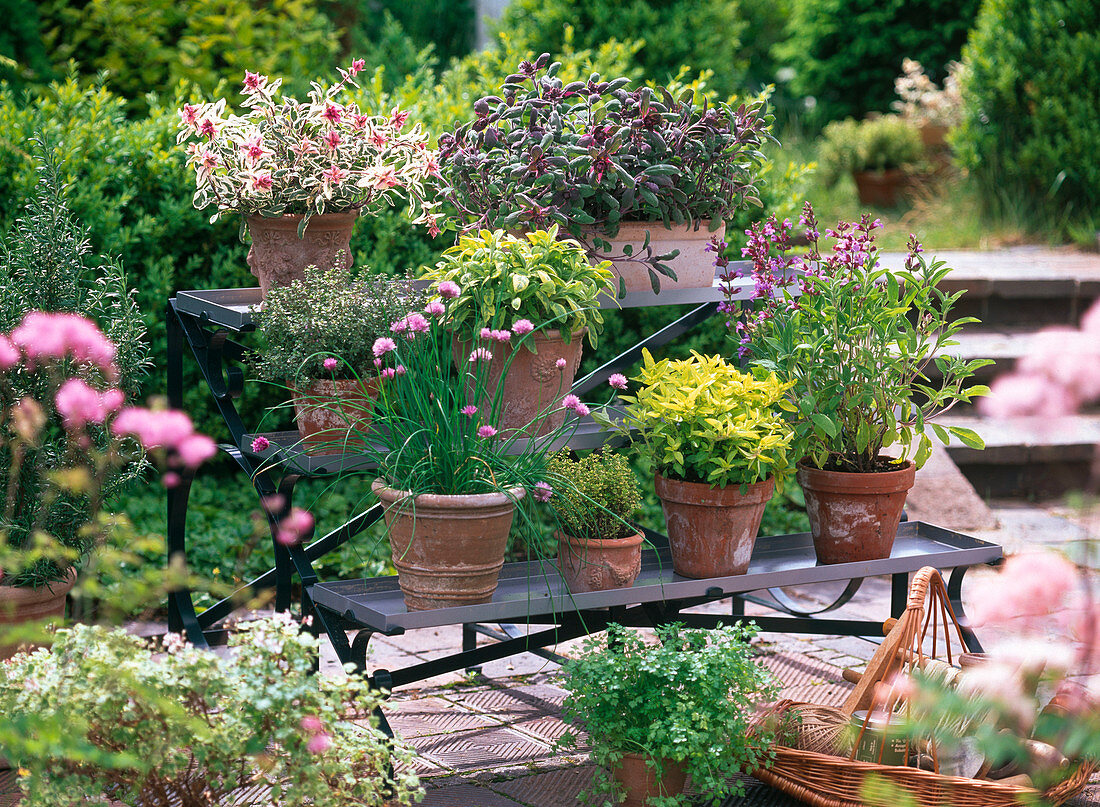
x=694, y=266
x=329, y=410
x=599, y=564
x=19, y=605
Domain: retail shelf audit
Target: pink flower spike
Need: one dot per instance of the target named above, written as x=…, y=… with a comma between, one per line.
x=522, y=327
x=329, y=364
x=78, y=404
x=560, y=364
x=469, y=410
x=294, y=527
x=617, y=380
x=260, y=443
x=319, y=743
x=486, y=432
x=542, y=492
x=449, y=289
x=435, y=308
x=582, y=410
x=570, y=401
x=170, y=479
x=383, y=345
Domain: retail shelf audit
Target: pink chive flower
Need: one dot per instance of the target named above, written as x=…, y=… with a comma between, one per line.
x=260, y=443
x=486, y=333
x=78, y=404
x=501, y=336
x=522, y=327
x=582, y=410
x=449, y=289
x=435, y=308
x=570, y=401
x=486, y=432
x=469, y=410
x=542, y=492
x=9, y=354
x=399, y=370
x=329, y=364
x=617, y=380
x=294, y=527
x=311, y=723
x=560, y=364
x=319, y=743
x=388, y=373
x=383, y=345
x=481, y=354
x=400, y=326
x=377, y=363
x=417, y=323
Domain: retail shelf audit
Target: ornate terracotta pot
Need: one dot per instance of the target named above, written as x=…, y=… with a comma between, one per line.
x=712, y=531
x=329, y=410
x=641, y=783
x=448, y=550
x=854, y=517
x=278, y=256
x=599, y=565
x=534, y=383
x=19, y=605
x=694, y=266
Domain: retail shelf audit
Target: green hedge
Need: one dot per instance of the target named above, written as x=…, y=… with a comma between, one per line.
x=1031, y=132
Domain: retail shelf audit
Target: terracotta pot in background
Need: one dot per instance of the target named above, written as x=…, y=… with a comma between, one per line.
x=19, y=605
x=854, y=517
x=599, y=565
x=448, y=550
x=712, y=531
x=880, y=188
x=694, y=266
x=934, y=135
x=278, y=256
x=327, y=410
x=641, y=783
x=534, y=382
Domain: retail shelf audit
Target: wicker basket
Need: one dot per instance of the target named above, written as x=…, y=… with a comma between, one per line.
x=831, y=781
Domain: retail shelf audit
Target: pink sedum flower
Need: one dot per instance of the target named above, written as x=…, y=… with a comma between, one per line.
x=486, y=432
x=522, y=327
x=383, y=345
x=449, y=289
x=617, y=380
x=542, y=492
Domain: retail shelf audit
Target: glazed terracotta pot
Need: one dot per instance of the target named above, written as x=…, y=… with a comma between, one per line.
x=711, y=531
x=854, y=517
x=328, y=410
x=694, y=266
x=641, y=783
x=534, y=383
x=599, y=565
x=278, y=256
x=19, y=605
x=880, y=188
x=448, y=550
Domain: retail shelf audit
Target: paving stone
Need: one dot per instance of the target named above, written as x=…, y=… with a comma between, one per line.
x=548, y=728
x=557, y=788
x=466, y=795
x=482, y=749
x=514, y=703
x=427, y=716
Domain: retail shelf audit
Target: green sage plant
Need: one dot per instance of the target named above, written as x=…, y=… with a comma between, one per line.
x=597, y=495
x=855, y=341
x=535, y=277
x=331, y=312
x=175, y=725
x=688, y=698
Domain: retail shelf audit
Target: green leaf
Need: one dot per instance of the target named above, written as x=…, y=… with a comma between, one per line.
x=968, y=437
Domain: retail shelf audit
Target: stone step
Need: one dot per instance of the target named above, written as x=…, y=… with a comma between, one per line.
x=1027, y=456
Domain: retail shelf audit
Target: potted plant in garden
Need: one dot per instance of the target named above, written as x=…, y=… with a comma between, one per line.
x=637, y=176
x=318, y=333
x=657, y=713
x=598, y=548
x=933, y=110
x=299, y=173
x=718, y=444
x=854, y=349
x=537, y=289
x=880, y=153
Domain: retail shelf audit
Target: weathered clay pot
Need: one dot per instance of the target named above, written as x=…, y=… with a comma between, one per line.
x=19, y=605
x=934, y=135
x=599, y=565
x=534, y=383
x=448, y=550
x=328, y=410
x=694, y=266
x=641, y=783
x=712, y=531
x=278, y=256
x=880, y=188
x=854, y=517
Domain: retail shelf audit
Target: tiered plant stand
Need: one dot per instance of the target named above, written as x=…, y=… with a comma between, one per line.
x=530, y=594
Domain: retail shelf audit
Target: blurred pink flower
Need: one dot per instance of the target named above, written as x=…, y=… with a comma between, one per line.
x=450, y=289
x=319, y=743
x=1030, y=586
x=154, y=429
x=78, y=404
x=1017, y=395
x=196, y=450
x=44, y=335
x=294, y=527
x=9, y=354
x=1090, y=322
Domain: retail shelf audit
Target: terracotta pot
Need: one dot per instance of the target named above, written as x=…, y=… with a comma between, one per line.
x=934, y=135
x=19, y=605
x=448, y=550
x=880, y=188
x=328, y=410
x=278, y=256
x=534, y=383
x=694, y=266
x=854, y=517
x=712, y=531
x=599, y=564
x=641, y=783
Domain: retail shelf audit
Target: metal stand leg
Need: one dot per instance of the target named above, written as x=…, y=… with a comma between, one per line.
x=182, y=617
x=899, y=593
x=469, y=643
x=954, y=595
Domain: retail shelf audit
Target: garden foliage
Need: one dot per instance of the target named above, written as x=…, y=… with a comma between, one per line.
x=598, y=493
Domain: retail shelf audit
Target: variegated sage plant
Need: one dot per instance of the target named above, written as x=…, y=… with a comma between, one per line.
x=322, y=155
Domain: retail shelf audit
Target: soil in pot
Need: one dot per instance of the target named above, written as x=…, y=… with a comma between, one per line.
x=599, y=564
x=328, y=410
x=712, y=531
x=19, y=605
x=534, y=383
x=448, y=550
x=694, y=266
x=641, y=782
x=853, y=516
x=278, y=256
x=880, y=188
